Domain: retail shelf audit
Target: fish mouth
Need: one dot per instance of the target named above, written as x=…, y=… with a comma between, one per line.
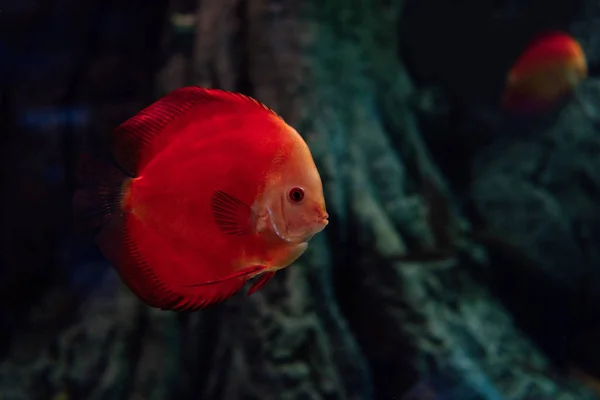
x=321, y=222
x=315, y=226
x=323, y=219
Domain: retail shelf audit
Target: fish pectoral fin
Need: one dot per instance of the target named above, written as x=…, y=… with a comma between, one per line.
x=246, y=272
x=261, y=281
x=233, y=216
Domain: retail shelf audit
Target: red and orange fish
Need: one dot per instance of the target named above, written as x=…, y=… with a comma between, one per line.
x=551, y=67
x=213, y=188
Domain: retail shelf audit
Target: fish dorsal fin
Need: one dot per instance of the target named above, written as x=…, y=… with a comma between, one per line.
x=137, y=136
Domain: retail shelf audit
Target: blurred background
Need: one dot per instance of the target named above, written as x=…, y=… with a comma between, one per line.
x=461, y=261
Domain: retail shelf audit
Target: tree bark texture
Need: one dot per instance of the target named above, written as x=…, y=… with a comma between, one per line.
x=361, y=315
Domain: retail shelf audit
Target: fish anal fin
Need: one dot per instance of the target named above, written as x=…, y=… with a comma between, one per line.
x=216, y=291
x=211, y=295
x=246, y=272
x=261, y=281
x=232, y=216
x=138, y=134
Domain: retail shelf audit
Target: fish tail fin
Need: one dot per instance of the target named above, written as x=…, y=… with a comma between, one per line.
x=98, y=198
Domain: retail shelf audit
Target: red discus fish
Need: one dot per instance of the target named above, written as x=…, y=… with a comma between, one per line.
x=213, y=189
x=550, y=67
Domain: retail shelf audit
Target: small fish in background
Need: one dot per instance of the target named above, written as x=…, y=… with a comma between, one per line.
x=211, y=189
x=550, y=68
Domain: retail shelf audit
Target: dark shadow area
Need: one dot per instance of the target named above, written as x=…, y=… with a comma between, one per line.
x=80, y=69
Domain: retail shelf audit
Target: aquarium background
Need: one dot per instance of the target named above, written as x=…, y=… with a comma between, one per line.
x=462, y=258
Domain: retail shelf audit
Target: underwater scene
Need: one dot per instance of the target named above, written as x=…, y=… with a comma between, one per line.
x=300, y=200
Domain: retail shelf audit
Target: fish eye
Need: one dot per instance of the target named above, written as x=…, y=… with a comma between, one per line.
x=296, y=195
